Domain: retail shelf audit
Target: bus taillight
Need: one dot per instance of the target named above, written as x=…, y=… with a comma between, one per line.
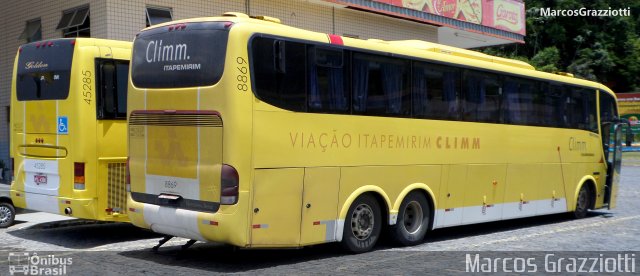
x=229, y=182
x=13, y=168
x=127, y=176
x=78, y=176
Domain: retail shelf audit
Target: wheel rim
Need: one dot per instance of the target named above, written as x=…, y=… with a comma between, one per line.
x=413, y=216
x=362, y=221
x=5, y=214
x=582, y=201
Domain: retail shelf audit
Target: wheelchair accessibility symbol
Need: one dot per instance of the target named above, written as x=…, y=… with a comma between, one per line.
x=63, y=125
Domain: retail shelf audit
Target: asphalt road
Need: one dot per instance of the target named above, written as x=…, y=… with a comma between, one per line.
x=117, y=249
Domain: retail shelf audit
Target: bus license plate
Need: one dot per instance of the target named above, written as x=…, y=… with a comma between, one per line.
x=40, y=179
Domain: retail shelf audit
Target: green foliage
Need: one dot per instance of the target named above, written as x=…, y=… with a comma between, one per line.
x=604, y=49
x=547, y=60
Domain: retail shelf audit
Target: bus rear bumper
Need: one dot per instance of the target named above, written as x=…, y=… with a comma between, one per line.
x=36, y=202
x=73, y=207
x=201, y=226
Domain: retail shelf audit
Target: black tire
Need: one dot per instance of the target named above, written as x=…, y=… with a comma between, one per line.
x=582, y=202
x=364, y=215
x=413, y=222
x=7, y=214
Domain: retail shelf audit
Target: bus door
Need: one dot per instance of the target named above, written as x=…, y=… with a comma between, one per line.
x=613, y=154
x=111, y=101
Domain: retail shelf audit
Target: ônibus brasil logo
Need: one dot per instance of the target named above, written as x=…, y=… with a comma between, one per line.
x=24, y=263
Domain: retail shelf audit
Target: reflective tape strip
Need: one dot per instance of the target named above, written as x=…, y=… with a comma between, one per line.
x=260, y=226
x=393, y=218
x=499, y=211
x=210, y=222
x=330, y=233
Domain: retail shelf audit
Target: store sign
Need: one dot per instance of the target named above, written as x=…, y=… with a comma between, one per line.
x=506, y=15
x=629, y=105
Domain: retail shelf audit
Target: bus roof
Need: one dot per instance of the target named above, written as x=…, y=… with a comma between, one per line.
x=87, y=41
x=414, y=48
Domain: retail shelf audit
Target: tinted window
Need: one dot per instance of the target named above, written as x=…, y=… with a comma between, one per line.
x=482, y=98
x=112, y=88
x=522, y=102
x=328, y=90
x=170, y=58
x=279, y=72
x=325, y=78
x=555, y=101
x=581, y=109
x=608, y=115
x=380, y=85
x=43, y=72
x=608, y=108
x=436, y=91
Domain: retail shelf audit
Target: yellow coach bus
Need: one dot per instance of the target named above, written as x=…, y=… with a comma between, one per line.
x=256, y=134
x=68, y=127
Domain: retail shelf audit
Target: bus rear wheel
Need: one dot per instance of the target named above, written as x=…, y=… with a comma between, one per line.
x=413, y=220
x=362, y=225
x=582, y=202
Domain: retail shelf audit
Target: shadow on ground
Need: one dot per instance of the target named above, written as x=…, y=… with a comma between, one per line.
x=83, y=234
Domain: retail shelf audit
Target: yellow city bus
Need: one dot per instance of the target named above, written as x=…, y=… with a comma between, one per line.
x=68, y=127
x=256, y=134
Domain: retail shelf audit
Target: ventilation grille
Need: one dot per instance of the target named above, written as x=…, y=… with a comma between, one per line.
x=116, y=178
x=200, y=120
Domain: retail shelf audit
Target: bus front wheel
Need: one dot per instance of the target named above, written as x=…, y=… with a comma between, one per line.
x=582, y=202
x=413, y=220
x=362, y=225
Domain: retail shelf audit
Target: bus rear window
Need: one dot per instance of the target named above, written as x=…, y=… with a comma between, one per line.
x=183, y=55
x=44, y=70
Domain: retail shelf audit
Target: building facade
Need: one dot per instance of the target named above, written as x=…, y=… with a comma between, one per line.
x=461, y=23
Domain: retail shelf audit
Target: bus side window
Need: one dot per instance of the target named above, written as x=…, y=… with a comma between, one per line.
x=112, y=89
x=555, y=106
x=582, y=109
x=482, y=96
x=327, y=89
x=607, y=107
x=435, y=91
x=279, y=72
x=519, y=102
x=381, y=85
